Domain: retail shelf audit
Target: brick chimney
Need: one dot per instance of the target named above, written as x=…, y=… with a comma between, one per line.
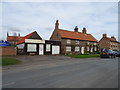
x=76, y=29
x=57, y=25
x=7, y=34
x=104, y=35
x=113, y=37
x=19, y=34
x=84, y=31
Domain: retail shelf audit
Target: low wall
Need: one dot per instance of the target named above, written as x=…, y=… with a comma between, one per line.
x=8, y=51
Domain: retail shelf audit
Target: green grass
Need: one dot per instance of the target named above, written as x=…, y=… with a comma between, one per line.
x=84, y=56
x=8, y=61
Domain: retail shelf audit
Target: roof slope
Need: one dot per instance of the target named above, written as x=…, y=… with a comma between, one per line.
x=26, y=37
x=76, y=35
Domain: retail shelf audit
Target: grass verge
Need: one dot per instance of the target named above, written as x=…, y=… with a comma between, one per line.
x=8, y=61
x=84, y=56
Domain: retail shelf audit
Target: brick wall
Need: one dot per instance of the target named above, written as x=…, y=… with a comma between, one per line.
x=8, y=50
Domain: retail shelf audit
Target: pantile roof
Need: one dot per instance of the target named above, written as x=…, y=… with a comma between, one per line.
x=76, y=35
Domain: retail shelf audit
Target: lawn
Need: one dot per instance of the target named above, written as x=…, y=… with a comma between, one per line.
x=84, y=56
x=8, y=61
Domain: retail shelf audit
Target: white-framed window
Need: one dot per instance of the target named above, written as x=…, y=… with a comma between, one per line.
x=88, y=48
x=47, y=47
x=68, y=48
x=31, y=48
x=77, y=48
x=76, y=41
x=68, y=41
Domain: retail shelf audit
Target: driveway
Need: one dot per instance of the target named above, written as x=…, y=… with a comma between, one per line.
x=61, y=72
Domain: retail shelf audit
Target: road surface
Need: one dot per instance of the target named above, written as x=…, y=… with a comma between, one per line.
x=67, y=73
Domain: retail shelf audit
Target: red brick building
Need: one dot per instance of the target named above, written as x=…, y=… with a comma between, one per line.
x=74, y=41
x=13, y=39
x=109, y=43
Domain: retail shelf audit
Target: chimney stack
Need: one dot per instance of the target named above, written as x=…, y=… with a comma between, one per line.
x=7, y=34
x=104, y=35
x=19, y=34
x=113, y=37
x=76, y=29
x=57, y=25
x=84, y=31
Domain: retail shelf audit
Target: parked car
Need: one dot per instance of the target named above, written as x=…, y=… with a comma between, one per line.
x=117, y=53
x=107, y=54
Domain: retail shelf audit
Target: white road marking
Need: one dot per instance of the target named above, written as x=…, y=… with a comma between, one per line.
x=8, y=83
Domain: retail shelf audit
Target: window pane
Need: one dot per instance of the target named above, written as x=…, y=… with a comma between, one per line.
x=68, y=48
x=47, y=47
x=31, y=47
x=77, y=48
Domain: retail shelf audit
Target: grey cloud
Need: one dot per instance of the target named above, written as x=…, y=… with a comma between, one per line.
x=13, y=29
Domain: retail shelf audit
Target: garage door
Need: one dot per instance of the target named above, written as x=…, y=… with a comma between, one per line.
x=55, y=49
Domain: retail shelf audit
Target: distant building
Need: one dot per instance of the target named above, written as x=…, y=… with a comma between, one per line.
x=74, y=41
x=13, y=39
x=109, y=43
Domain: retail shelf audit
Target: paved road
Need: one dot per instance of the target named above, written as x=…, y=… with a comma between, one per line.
x=64, y=72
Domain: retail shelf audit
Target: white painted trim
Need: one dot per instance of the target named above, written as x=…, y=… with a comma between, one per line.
x=34, y=41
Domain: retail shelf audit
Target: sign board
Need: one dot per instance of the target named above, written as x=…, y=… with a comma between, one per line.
x=34, y=41
x=4, y=43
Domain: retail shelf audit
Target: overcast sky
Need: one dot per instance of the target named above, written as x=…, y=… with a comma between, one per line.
x=24, y=18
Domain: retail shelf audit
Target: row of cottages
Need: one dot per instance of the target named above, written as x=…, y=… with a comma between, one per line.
x=109, y=43
x=74, y=42
x=34, y=44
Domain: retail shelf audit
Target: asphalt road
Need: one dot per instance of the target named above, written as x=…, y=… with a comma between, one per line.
x=64, y=73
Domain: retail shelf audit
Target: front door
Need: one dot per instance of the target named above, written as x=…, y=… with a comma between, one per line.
x=41, y=49
x=82, y=50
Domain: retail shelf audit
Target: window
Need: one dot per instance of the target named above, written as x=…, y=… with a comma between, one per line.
x=31, y=47
x=77, y=48
x=76, y=41
x=68, y=48
x=68, y=41
x=47, y=47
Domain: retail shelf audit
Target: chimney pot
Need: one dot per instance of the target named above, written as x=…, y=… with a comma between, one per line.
x=84, y=31
x=76, y=29
x=104, y=35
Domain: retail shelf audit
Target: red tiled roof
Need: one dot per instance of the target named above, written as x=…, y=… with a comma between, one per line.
x=13, y=38
x=112, y=39
x=76, y=35
x=25, y=37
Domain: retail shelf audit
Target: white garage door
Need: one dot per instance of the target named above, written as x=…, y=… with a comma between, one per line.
x=55, y=49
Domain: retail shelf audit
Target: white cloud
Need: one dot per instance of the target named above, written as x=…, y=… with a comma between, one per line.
x=97, y=17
